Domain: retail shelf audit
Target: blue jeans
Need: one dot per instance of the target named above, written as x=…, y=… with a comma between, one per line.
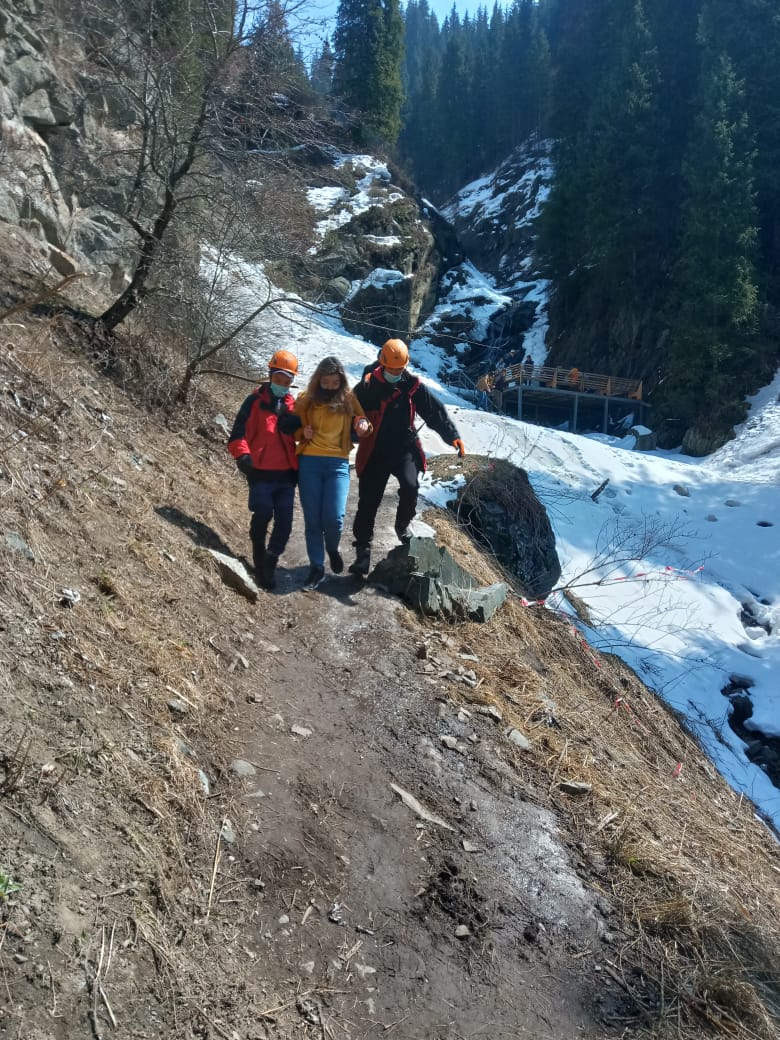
x=323, y=484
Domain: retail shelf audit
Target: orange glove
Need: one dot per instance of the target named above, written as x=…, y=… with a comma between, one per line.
x=458, y=443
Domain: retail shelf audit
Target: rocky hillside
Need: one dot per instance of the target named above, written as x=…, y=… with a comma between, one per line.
x=318, y=814
x=83, y=188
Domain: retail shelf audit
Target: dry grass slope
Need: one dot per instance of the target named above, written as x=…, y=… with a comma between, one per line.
x=118, y=708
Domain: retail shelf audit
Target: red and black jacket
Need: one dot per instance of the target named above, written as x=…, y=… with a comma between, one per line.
x=263, y=429
x=392, y=409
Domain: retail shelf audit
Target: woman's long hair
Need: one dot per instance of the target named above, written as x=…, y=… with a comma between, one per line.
x=342, y=399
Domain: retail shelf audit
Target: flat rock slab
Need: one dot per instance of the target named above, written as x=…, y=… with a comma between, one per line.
x=427, y=577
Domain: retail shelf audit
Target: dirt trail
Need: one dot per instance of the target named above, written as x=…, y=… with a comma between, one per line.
x=583, y=888
x=363, y=899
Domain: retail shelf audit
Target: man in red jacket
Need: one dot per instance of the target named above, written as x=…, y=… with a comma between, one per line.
x=262, y=444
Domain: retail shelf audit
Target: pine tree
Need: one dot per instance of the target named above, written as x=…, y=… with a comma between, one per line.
x=601, y=220
x=368, y=46
x=322, y=71
x=713, y=340
x=452, y=106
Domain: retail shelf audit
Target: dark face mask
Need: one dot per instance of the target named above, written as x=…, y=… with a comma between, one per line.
x=325, y=395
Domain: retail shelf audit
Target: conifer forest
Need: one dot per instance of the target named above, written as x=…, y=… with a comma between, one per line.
x=661, y=234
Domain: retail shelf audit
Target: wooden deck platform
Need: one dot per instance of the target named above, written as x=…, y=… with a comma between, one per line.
x=584, y=399
x=546, y=377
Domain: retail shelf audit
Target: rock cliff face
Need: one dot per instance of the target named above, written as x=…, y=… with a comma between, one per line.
x=380, y=252
x=61, y=181
x=70, y=134
x=495, y=217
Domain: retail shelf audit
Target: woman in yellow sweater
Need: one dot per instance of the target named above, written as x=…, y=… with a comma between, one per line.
x=332, y=420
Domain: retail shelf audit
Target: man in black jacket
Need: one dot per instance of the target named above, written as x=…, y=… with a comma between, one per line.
x=392, y=398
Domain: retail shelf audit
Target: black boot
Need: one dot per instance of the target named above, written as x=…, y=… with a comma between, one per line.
x=269, y=571
x=362, y=564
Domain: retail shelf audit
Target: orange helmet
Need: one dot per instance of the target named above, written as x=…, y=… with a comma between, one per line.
x=394, y=354
x=284, y=361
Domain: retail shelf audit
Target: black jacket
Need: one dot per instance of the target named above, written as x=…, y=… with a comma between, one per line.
x=392, y=408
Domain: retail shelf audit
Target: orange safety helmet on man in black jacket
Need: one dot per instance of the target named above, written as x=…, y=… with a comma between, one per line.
x=392, y=399
x=262, y=444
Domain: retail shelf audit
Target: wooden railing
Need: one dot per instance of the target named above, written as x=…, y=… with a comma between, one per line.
x=544, y=376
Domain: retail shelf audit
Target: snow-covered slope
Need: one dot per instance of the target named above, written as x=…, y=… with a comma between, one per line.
x=677, y=560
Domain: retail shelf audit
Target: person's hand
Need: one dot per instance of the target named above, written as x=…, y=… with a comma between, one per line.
x=363, y=427
x=458, y=443
x=244, y=463
x=308, y=433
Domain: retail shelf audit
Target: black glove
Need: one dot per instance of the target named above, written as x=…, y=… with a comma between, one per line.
x=244, y=463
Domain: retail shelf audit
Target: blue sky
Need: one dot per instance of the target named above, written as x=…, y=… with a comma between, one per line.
x=317, y=18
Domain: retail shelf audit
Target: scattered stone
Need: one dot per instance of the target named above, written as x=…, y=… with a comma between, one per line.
x=270, y=648
x=575, y=787
x=204, y=783
x=234, y=574
x=467, y=678
x=334, y=914
x=681, y=490
x=492, y=711
x=284, y=919
x=277, y=721
x=242, y=768
x=308, y=968
x=450, y=742
x=364, y=970
x=69, y=597
x=462, y=931
x=15, y=541
x=177, y=706
x=222, y=423
x=309, y=1011
x=469, y=846
x=463, y=715
x=644, y=438
x=417, y=807
x=301, y=731
x=518, y=739
x=531, y=932
x=185, y=749
x=228, y=833
x=732, y=503
x=258, y=883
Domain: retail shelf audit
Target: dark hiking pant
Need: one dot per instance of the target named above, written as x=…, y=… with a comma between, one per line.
x=270, y=500
x=371, y=487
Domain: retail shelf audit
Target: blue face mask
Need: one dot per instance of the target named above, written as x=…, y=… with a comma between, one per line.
x=392, y=379
x=279, y=391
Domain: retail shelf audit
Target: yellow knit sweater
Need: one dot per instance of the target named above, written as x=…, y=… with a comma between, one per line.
x=332, y=426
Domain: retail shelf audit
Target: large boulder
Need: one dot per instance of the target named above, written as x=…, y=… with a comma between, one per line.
x=504, y=514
